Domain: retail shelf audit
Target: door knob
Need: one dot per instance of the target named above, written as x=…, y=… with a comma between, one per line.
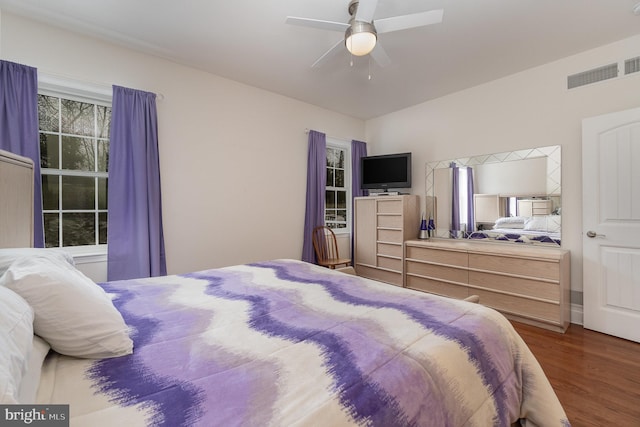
x=593, y=234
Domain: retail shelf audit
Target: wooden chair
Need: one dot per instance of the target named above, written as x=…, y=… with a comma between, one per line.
x=326, y=247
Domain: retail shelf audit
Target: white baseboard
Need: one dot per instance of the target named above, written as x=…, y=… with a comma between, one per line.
x=576, y=314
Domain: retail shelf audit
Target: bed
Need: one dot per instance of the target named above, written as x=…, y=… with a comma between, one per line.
x=279, y=342
x=537, y=229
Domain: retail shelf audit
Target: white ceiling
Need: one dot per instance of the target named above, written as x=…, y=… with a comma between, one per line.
x=478, y=41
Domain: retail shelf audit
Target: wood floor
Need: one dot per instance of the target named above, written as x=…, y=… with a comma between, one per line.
x=596, y=376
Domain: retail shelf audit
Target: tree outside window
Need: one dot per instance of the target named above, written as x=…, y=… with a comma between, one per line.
x=74, y=157
x=336, y=207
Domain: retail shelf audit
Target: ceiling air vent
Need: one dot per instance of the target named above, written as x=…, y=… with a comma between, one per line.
x=592, y=76
x=632, y=65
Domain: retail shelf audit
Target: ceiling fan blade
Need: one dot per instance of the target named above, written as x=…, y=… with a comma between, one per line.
x=328, y=54
x=366, y=9
x=380, y=56
x=317, y=23
x=403, y=22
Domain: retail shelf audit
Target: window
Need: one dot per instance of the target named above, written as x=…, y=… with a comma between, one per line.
x=338, y=189
x=74, y=155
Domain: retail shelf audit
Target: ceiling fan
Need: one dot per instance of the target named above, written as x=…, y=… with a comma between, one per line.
x=361, y=32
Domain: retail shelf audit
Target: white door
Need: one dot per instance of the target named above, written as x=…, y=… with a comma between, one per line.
x=611, y=223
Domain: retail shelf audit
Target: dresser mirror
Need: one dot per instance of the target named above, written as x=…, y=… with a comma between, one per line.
x=516, y=196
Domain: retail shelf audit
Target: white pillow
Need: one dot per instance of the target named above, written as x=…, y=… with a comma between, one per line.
x=16, y=335
x=510, y=225
x=31, y=378
x=546, y=223
x=73, y=314
x=510, y=222
x=8, y=255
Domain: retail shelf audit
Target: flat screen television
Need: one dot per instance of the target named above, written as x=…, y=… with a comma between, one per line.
x=386, y=171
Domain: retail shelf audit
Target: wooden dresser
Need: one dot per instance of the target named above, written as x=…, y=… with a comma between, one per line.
x=535, y=207
x=382, y=224
x=526, y=283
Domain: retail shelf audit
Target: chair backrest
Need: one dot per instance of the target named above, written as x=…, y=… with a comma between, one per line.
x=325, y=244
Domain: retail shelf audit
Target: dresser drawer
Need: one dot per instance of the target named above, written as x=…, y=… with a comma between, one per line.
x=391, y=277
x=534, y=207
x=460, y=259
x=390, y=221
x=518, y=266
x=520, y=306
x=392, y=236
x=437, y=287
x=390, y=250
x=390, y=263
x=540, y=211
x=441, y=272
x=515, y=285
x=390, y=206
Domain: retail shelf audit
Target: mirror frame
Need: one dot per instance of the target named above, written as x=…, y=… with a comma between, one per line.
x=553, y=154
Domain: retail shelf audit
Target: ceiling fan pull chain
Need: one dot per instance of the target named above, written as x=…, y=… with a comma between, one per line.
x=369, y=67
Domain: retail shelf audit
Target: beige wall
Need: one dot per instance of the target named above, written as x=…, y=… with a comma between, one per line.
x=233, y=157
x=528, y=109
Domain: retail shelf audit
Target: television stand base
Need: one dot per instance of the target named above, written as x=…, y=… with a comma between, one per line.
x=385, y=193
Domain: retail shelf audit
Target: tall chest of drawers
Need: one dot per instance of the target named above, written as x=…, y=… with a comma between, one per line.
x=382, y=224
x=534, y=207
x=527, y=284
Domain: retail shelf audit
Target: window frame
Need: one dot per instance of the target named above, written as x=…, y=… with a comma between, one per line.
x=61, y=87
x=345, y=146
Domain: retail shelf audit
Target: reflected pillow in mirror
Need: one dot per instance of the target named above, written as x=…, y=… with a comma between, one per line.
x=516, y=222
x=546, y=223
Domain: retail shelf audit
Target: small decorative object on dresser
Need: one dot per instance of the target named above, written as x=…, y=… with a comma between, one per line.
x=528, y=284
x=424, y=233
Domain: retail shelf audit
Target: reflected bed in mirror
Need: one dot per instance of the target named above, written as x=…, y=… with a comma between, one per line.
x=514, y=196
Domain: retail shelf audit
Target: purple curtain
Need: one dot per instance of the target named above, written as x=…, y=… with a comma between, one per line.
x=455, y=199
x=135, y=237
x=470, y=207
x=358, y=150
x=456, y=196
x=316, y=184
x=19, y=127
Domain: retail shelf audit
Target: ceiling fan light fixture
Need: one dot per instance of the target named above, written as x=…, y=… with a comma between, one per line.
x=360, y=38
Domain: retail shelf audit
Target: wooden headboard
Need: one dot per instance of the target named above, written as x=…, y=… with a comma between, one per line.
x=16, y=201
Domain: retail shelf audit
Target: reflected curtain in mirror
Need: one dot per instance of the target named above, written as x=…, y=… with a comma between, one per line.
x=462, y=207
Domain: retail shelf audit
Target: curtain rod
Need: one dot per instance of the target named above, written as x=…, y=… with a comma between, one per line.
x=306, y=131
x=100, y=88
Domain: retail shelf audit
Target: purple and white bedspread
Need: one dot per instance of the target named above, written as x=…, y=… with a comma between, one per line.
x=286, y=343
